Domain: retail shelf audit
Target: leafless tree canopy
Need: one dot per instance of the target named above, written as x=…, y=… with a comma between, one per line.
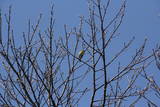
x=43, y=70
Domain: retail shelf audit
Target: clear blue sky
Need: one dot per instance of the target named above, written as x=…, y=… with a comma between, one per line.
x=142, y=18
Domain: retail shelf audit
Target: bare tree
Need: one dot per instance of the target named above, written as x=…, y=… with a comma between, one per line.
x=45, y=70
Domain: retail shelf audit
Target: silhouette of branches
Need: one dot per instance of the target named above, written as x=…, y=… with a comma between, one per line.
x=40, y=69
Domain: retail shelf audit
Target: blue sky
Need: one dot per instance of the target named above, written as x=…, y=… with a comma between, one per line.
x=142, y=17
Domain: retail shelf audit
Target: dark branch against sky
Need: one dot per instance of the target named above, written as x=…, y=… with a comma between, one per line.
x=3, y=2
